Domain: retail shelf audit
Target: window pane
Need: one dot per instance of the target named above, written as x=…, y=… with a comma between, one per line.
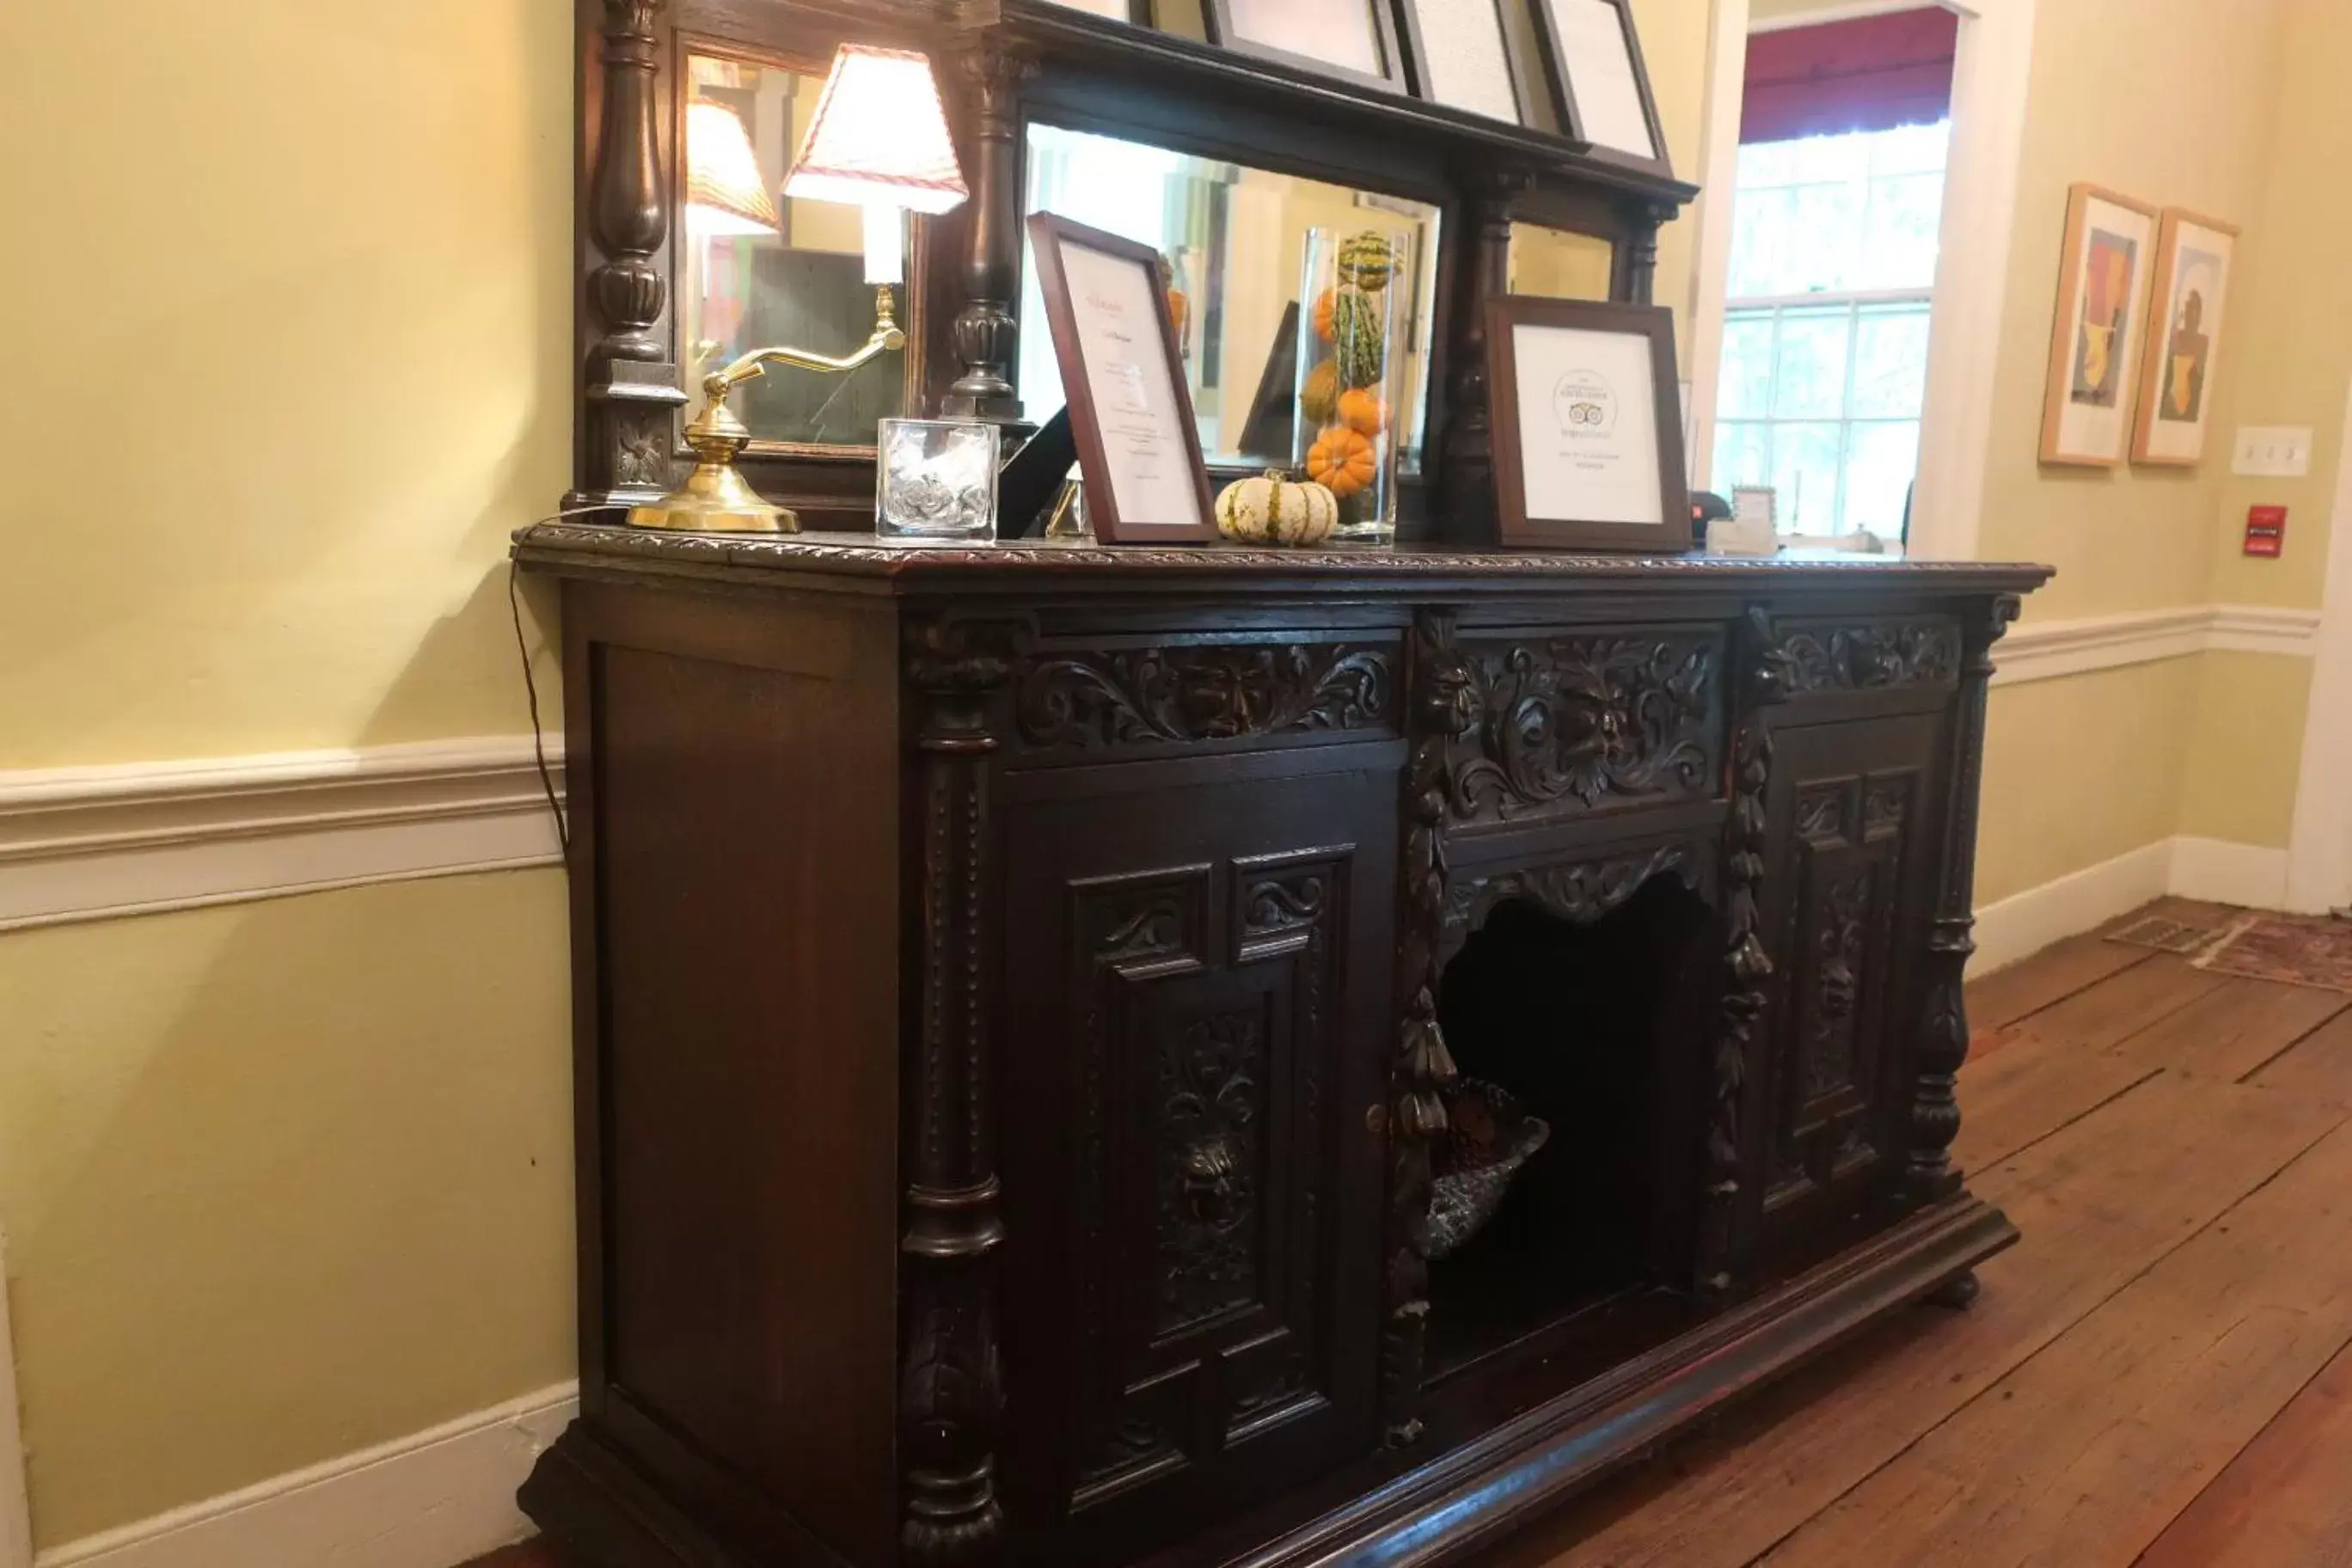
x=1826, y=230
x=1890, y=363
x=1763, y=163
x=1911, y=149
x=1743, y=456
x=1747, y=390
x=1831, y=157
x=1899, y=237
x=1809, y=381
x=1881, y=462
x=1805, y=472
x=1765, y=232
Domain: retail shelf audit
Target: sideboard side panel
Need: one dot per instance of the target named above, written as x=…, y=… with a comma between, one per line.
x=744, y=832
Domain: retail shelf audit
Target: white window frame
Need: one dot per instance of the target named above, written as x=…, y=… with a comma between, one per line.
x=1990, y=81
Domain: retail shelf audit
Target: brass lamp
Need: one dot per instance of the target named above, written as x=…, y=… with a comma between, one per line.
x=880, y=140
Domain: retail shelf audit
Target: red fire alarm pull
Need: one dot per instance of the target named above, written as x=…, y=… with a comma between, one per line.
x=2265, y=530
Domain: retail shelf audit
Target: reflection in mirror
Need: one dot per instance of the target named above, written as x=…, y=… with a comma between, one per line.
x=1558, y=264
x=762, y=270
x=1236, y=243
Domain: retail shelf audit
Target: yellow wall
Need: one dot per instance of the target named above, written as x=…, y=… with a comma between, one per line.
x=282, y=1181
x=289, y=358
x=1675, y=37
x=2175, y=103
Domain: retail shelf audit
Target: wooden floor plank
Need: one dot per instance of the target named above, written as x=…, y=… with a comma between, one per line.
x=2123, y=1005
x=2099, y=1203
x=2319, y=1068
x=2056, y=972
x=2029, y=1089
x=2086, y=1452
x=2233, y=1029
x=2286, y=1500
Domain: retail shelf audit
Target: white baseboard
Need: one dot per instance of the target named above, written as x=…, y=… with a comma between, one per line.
x=2210, y=870
x=79, y=844
x=431, y=1500
x=2024, y=923
x=2225, y=873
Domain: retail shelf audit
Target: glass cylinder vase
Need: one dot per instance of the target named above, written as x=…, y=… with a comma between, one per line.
x=1352, y=371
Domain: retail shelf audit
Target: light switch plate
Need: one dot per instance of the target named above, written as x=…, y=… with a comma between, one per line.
x=2272, y=451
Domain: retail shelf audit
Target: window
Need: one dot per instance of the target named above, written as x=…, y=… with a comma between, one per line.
x=1825, y=334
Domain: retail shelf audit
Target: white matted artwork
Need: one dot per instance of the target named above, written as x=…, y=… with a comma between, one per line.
x=2102, y=321
x=1592, y=42
x=1587, y=432
x=1115, y=9
x=2193, y=259
x=1342, y=33
x=1465, y=58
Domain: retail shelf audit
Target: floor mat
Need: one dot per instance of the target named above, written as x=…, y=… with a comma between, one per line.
x=2315, y=953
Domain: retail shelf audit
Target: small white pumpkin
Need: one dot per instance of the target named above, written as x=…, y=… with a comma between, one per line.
x=1274, y=509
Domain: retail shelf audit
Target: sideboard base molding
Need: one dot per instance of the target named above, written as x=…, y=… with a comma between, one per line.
x=603, y=1512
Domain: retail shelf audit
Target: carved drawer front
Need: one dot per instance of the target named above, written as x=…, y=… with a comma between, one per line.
x=1076, y=704
x=1854, y=804
x=1563, y=724
x=1825, y=657
x=1210, y=1184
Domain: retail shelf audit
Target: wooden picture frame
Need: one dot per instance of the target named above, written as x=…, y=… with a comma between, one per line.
x=1598, y=112
x=1436, y=69
x=2104, y=268
x=1223, y=30
x=1049, y=234
x=2188, y=315
x=1597, y=394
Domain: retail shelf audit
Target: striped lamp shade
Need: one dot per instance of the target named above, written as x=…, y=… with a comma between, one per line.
x=879, y=137
x=724, y=193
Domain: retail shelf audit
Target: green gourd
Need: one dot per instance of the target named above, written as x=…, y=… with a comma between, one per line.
x=1359, y=342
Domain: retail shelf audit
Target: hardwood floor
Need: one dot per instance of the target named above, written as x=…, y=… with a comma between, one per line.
x=2160, y=1375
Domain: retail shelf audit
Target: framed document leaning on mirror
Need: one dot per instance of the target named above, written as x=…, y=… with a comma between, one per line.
x=1588, y=427
x=1131, y=415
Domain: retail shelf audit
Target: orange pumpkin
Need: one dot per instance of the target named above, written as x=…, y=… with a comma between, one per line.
x=1363, y=412
x=1325, y=303
x=1342, y=461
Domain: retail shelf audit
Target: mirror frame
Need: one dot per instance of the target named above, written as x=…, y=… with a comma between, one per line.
x=1000, y=63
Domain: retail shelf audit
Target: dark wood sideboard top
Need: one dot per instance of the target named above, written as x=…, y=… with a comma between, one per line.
x=861, y=563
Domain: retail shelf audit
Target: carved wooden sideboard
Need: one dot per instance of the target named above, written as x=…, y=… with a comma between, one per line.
x=1013, y=988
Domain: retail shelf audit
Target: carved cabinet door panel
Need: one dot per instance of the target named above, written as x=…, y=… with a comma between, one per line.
x=1197, y=1019
x=1853, y=809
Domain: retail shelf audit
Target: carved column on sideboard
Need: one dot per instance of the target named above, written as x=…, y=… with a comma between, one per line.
x=1641, y=256
x=951, y=1386
x=1442, y=706
x=1734, y=1057
x=1944, y=1038
x=1467, y=481
x=986, y=335
x=628, y=385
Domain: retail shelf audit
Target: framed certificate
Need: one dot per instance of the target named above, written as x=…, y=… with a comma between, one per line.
x=1594, y=56
x=1588, y=427
x=1130, y=411
x=1353, y=38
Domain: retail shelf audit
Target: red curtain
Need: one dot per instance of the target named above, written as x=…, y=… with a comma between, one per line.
x=1873, y=73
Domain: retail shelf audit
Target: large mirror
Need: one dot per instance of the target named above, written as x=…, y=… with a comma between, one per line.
x=1559, y=264
x=1254, y=263
x=760, y=270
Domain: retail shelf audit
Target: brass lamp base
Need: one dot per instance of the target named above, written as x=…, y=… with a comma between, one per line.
x=715, y=498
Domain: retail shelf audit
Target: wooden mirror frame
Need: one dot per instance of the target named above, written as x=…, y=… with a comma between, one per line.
x=1001, y=64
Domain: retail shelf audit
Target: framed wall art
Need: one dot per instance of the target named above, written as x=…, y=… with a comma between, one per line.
x=1463, y=57
x=1594, y=60
x=1588, y=425
x=2194, y=257
x=2104, y=268
x=1130, y=411
x=1352, y=38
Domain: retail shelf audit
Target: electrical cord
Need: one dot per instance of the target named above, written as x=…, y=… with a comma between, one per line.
x=530, y=683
